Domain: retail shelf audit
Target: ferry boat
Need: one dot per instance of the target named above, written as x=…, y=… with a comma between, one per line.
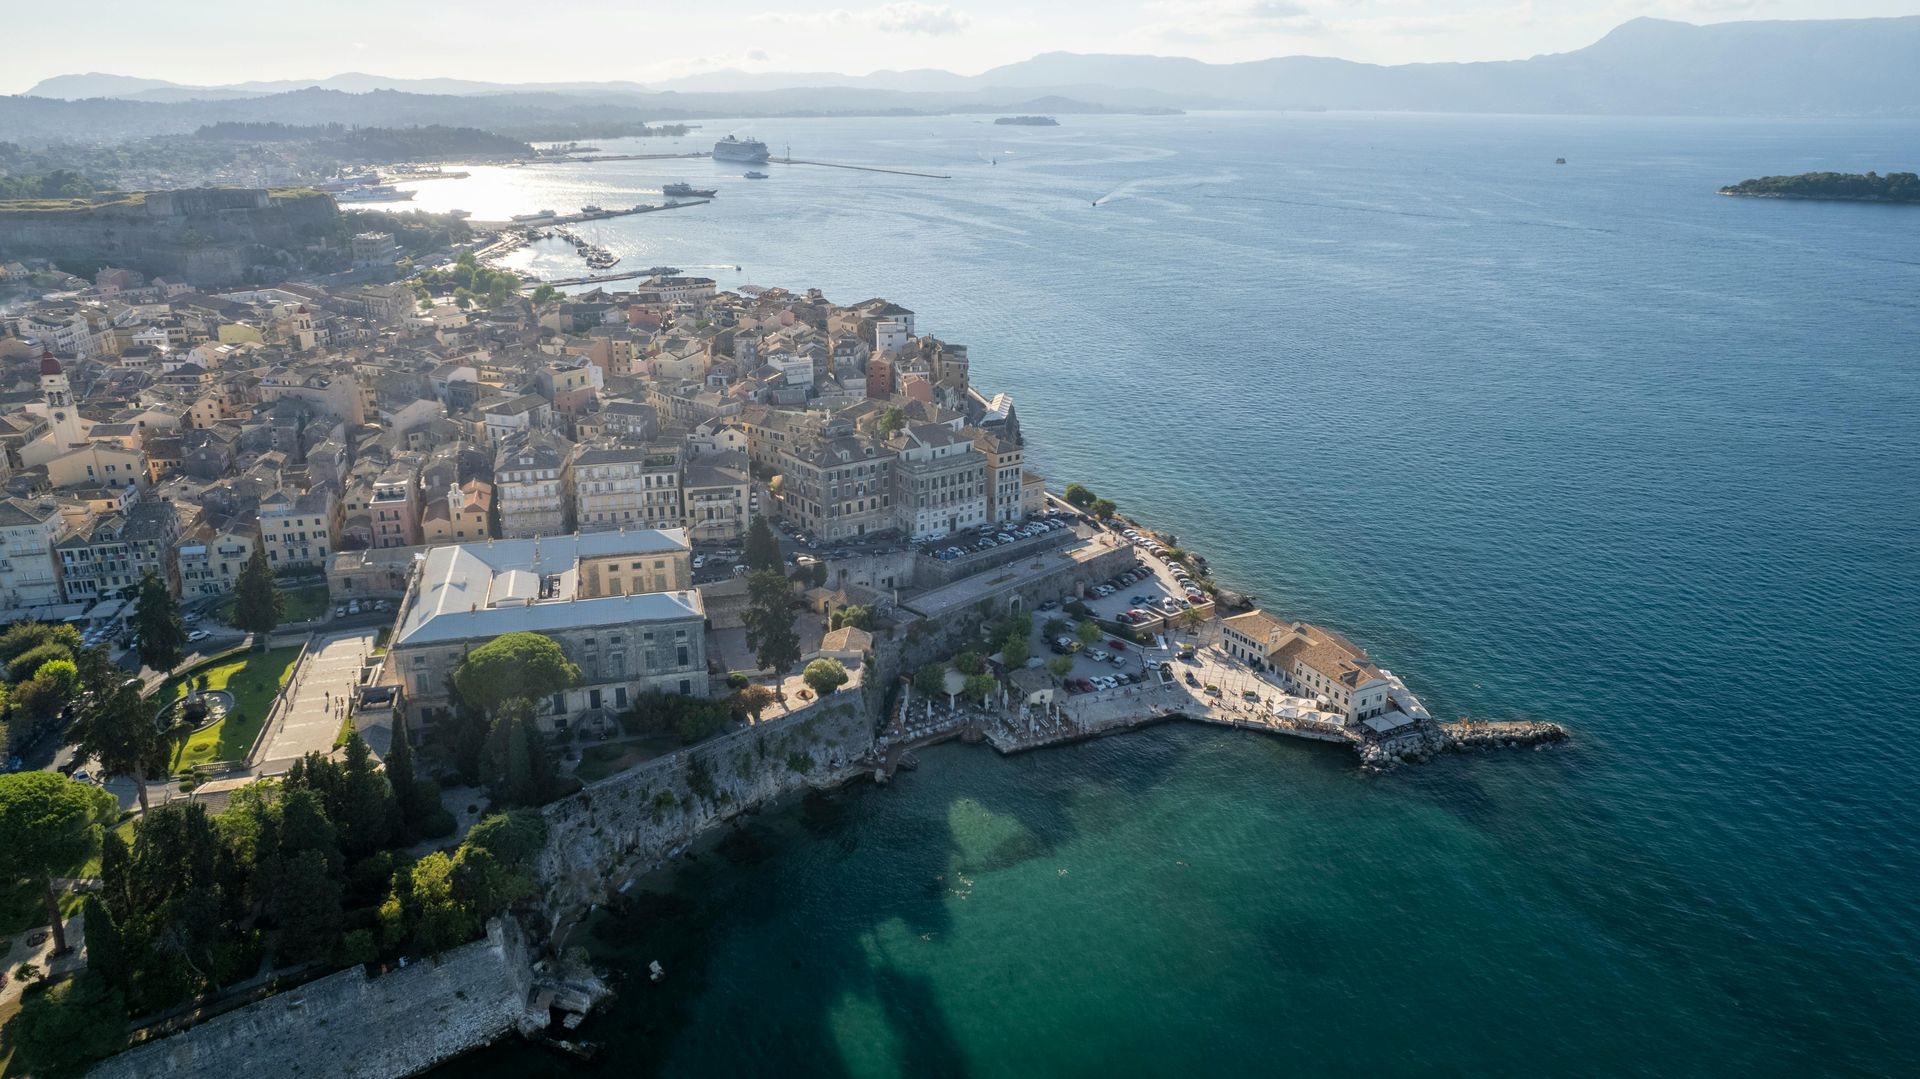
x=374, y=193
x=541, y=216
x=590, y=208
x=755, y=175
x=687, y=191
x=751, y=151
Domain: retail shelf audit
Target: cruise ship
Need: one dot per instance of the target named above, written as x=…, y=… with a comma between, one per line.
x=751, y=151
x=374, y=193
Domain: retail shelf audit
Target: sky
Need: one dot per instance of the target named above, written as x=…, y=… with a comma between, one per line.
x=213, y=42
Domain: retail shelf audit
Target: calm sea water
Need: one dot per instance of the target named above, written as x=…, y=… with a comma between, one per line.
x=1583, y=442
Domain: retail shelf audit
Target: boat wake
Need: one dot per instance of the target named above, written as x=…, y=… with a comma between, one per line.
x=1134, y=187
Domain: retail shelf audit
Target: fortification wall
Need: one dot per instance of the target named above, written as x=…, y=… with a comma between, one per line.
x=202, y=237
x=349, y=1025
x=625, y=824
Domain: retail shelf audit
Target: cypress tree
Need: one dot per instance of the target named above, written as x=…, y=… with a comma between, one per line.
x=106, y=947
x=257, y=603
x=763, y=550
x=400, y=775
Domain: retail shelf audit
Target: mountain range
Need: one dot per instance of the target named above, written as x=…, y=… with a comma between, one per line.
x=1835, y=67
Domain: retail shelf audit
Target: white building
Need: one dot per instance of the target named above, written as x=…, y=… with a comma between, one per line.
x=29, y=569
x=940, y=481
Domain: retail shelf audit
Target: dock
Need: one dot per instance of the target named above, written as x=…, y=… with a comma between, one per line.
x=575, y=219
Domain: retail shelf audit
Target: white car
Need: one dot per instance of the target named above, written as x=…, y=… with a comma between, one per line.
x=198, y=635
x=1098, y=655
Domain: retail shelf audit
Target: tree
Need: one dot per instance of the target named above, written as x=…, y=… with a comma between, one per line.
x=1016, y=650
x=24, y=636
x=763, y=550
x=106, y=945
x=49, y=825
x=308, y=907
x=544, y=293
x=439, y=920
x=891, y=419
x=1102, y=508
x=257, y=601
x=1191, y=619
x=981, y=686
x=513, y=665
x=754, y=699
x=23, y=667
x=159, y=633
x=857, y=616
x=970, y=663
x=517, y=769
x=1060, y=666
x=823, y=676
x=769, y=621
x=38, y=701
x=62, y=675
x=1056, y=627
x=1089, y=632
x=1078, y=496
x=119, y=727
x=930, y=680
x=366, y=806
x=68, y=1025
x=399, y=764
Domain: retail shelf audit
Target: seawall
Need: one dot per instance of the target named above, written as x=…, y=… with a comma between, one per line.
x=626, y=824
x=350, y=1025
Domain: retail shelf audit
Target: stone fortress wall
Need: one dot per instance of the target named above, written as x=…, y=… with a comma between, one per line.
x=350, y=1025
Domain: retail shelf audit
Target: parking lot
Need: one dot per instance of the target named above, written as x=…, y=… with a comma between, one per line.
x=989, y=537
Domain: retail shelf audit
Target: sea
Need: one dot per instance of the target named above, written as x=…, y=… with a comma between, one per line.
x=1580, y=442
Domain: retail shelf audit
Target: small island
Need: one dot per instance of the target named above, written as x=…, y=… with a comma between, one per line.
x=1835, y=186
x=1029, y=121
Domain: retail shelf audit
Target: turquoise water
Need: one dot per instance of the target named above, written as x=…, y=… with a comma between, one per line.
x=1586, y=443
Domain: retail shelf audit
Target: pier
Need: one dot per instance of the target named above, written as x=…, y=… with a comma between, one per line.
x=575, y=219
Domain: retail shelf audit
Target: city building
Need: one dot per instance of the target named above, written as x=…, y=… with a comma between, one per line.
x=620, y=605
x=940, y=481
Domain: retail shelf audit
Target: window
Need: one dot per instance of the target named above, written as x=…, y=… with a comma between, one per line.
x=686, y=686
x=559, y=703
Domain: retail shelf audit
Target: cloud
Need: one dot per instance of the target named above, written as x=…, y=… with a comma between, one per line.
x=904, y=17
x=1203, y=21
x=759, y=56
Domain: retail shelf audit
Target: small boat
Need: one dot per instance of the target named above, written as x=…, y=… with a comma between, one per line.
x=755, y=175
x=656, y=972
x=1559, y=160
x=590, y=208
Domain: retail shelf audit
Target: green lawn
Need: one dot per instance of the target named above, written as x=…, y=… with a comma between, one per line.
x=304, y=604
x=254, y=679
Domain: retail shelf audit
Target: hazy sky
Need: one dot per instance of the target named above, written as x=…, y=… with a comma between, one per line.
x=222, y=41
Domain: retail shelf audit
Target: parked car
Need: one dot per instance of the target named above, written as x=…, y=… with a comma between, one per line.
x=1117, y=644
x=198, y=635
x=1191, y=680
x=1098, y=655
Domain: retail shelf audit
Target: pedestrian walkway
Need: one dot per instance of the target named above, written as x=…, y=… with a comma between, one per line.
x=320, y=690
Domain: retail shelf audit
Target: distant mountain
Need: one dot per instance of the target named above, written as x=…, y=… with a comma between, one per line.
x=1838, y=67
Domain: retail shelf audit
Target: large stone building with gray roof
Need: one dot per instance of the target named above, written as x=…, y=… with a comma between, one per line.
x=621, y=605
